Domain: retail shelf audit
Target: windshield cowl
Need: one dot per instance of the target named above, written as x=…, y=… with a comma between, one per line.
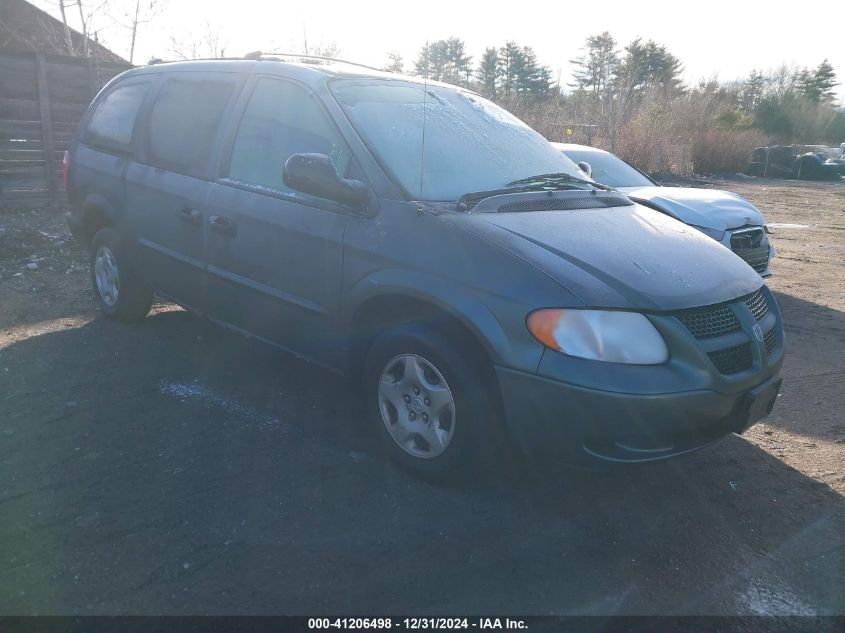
x=530, y=201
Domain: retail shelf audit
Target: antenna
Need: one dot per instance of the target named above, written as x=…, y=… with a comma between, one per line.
x=425, y=109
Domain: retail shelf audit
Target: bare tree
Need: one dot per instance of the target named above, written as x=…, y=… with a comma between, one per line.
x=208, y=43
x=323, y=49
x=69, y=41
x=87, y=13
x=138, y=13
x=86, y=52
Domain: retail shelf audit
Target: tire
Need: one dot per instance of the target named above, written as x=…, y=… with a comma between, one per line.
x=442, y=438
x=120, y=293
x=807, y=167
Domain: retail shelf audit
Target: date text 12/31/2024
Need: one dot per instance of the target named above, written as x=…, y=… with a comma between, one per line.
x=354, y=624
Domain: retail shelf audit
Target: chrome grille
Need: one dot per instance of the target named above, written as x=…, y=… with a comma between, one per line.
x=732, y=360
x=747, y=238
x=710, y=322
x=750, y=244
x=757, y=258
x=758, y=305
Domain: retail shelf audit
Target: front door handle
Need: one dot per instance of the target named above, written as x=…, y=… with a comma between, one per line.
x=223, y=225
x=191, y=216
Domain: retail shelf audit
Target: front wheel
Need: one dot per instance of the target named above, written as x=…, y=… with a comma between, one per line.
x=427, y=397
x=120, y=293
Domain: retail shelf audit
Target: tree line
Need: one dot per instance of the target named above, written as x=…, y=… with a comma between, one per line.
x=632, y=99
x=508, y=70
x=787, y=104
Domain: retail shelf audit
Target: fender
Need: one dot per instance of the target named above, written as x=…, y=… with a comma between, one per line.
x=97, y=203
x=81, y=215
x=450, y=297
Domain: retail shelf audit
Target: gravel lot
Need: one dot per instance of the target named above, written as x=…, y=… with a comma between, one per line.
x=172, y=467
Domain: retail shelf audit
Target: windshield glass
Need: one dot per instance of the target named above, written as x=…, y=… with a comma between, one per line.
x=610, y=170
x=471, y=144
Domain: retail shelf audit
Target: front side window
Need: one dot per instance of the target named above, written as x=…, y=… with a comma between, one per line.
x=113, y=119
x=184, y=122
x=439, y=143
x=282, y=119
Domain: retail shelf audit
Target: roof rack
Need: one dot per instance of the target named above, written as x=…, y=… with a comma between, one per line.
x=157, y=60
x=259, y=55
x=263, y=55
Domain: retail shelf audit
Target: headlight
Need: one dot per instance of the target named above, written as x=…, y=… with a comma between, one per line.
x=616, y=337
x=716, y=234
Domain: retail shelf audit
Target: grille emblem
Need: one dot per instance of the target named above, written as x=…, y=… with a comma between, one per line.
x=758, y=332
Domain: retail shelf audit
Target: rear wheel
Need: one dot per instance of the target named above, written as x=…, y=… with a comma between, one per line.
x=426, y=395
x=120, y=292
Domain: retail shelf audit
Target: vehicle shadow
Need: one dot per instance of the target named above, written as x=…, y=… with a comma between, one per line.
x=814, y=370
x=172, y=467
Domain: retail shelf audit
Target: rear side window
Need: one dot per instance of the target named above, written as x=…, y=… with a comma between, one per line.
x=113, y=118
x=281, y=119
x=184, y=122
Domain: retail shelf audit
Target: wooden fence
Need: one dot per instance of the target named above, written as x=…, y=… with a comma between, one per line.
x=42, y=99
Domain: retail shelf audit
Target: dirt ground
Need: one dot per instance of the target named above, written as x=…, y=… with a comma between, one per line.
x=171, y=467
x=807, y=429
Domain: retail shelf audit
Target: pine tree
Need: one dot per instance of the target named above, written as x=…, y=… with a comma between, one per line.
x=544, y=83
x=596, y=68
x=649, y=65
x=826, y=81
x=511, y=67
x=533, y=80
x=751, y=92
x=430, y=61
x=444, y=60
x=488, y=72
x=395, y=64
x=817, y=85
x=458, y=65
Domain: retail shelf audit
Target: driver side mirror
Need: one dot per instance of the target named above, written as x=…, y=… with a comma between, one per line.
x=316, y=175
x=586, y=168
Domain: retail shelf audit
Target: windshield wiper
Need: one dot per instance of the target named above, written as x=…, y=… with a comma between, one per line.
x=557, y=178
x=542, y=182
x=469, y=200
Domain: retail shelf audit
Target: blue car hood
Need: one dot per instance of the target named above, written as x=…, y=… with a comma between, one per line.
x=620, y=257
x=709, y=208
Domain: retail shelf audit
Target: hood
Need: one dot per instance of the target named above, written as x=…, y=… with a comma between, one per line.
x=619, y=257
x=709, y=208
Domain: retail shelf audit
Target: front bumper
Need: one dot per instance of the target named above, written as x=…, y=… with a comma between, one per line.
x=723, y=374
x=554, y=421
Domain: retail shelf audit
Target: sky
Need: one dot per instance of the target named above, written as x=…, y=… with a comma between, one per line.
x=718, y=38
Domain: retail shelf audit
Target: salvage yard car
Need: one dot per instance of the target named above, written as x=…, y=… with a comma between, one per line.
x=433, y=245
x=726, y=217
x=803, y=162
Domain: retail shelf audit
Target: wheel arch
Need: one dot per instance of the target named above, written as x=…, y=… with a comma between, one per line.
x=393, y=297
x=462, y=317
x=96, y=213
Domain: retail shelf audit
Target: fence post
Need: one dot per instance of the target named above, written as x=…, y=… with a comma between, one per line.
x=93, y=77
x=46, y=126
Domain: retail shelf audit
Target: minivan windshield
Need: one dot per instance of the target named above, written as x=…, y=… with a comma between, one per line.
x=470, y=143
x=609, y=169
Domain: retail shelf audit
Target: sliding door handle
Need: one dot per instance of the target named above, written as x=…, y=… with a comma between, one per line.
x=223, y=225
x=191, y=216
